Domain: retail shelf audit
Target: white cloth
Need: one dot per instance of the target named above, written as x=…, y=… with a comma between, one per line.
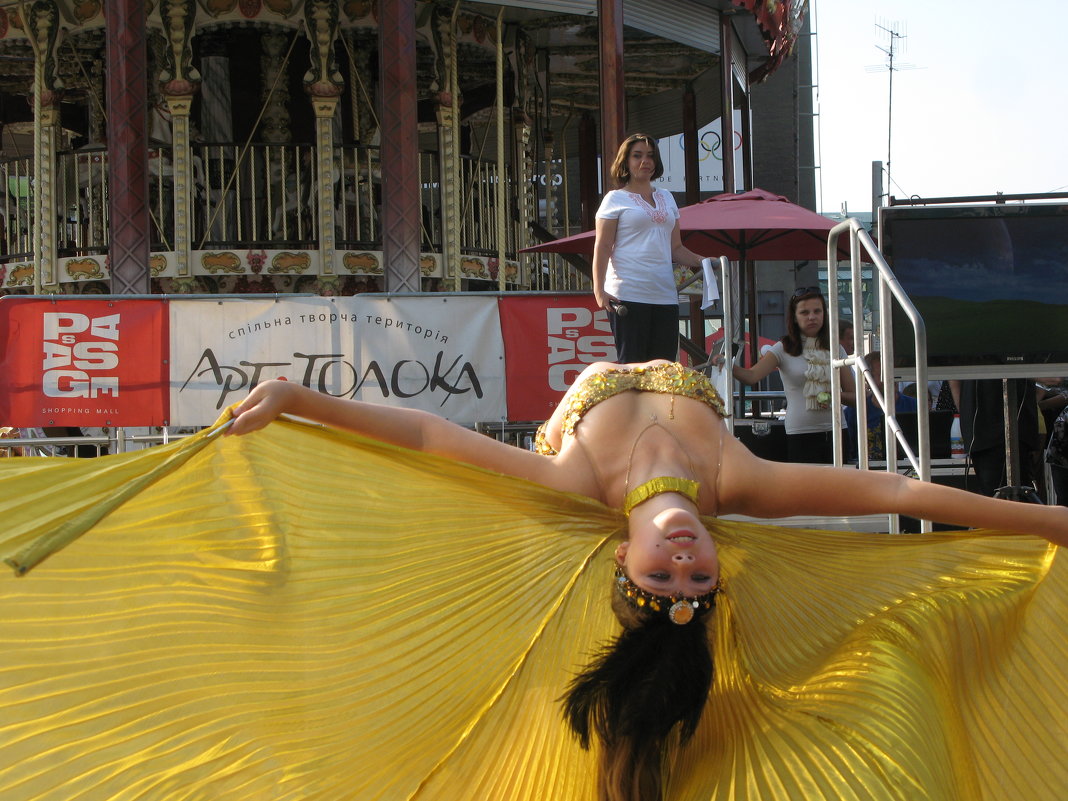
x=711, y=286
x=640, y=268
x=817, y=375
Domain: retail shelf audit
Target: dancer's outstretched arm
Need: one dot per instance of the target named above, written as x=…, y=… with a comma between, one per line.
x=759, y=488
x=409, y=428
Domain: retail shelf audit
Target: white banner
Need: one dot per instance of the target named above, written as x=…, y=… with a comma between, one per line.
x=441, y=354
x=709, y=158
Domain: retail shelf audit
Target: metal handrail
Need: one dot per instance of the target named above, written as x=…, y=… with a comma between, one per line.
x=862, y=376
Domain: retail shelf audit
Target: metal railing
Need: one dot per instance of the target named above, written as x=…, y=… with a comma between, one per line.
x=259, y=196
x=16, y=240
x=117, y=440
x=888, y=290
x=265, y=196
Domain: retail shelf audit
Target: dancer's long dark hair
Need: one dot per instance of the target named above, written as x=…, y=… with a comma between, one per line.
x=653, y=676
x=792, y=341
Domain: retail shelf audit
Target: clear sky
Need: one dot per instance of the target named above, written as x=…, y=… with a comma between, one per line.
x=979, y=106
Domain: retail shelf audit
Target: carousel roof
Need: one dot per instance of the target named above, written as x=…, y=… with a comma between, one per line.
x=667, y=47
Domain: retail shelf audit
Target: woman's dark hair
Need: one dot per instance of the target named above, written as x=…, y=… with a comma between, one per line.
x=620, y=171
x=792, y=341
x=653, y=676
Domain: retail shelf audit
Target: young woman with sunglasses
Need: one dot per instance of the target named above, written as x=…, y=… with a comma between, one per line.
x=802, y=358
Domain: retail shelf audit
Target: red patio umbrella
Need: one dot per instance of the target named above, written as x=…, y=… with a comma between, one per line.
x=753, y=225
x=748, y=226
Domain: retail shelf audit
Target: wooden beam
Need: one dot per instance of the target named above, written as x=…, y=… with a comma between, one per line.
x=613, y=102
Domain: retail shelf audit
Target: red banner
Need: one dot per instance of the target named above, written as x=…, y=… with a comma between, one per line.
x=75, y=362
x=548, y=341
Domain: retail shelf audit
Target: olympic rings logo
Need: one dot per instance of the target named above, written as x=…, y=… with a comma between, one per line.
x=710, y=144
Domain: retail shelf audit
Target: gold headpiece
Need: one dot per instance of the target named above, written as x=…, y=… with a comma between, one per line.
x=658, y=486
x=680, y=609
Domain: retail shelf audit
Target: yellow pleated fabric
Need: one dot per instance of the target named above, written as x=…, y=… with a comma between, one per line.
x=302, y=614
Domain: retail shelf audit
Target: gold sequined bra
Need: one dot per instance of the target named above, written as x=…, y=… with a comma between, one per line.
x=667, y=379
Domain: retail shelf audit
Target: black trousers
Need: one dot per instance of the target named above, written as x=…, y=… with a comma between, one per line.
x=816, y=447
x=647, y=331
x=1060, y=483
x=989, y=467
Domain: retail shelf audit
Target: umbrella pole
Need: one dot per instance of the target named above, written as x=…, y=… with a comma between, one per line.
x=749, y=270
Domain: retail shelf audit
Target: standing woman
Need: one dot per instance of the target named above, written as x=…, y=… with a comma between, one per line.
x=803, y=358
x=638, y=242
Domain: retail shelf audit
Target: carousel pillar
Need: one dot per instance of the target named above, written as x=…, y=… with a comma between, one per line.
x=588, y=194
x=179, y=82
x=97, y=135
x=550, y=195
x=501, y=194
x=44, y=195
x=449, y=149
x=324, y=85
x=399, y=120
x=524, y=187
x=127, y=94
x=325, y=107
x=179, y=107
x=43, y=27
x=448, y=153
x=613, y=102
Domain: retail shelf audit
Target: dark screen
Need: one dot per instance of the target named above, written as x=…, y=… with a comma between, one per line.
x=991, y=282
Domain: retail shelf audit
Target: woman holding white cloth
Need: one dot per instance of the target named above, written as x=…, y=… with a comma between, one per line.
x=638, y=242
x=803, y=360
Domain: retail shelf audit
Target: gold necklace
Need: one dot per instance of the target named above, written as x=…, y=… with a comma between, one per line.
x=661, y=484
x=658, y=486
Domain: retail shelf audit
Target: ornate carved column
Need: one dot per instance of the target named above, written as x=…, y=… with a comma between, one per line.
x=127, y=93
x=400, y=146
x=448, y=145
x=324, y=85
x=42, y=29
x=525, y=157
x=524, y=187
x=178, y=83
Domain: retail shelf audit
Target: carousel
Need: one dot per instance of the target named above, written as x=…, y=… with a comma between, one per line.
x=341, y=146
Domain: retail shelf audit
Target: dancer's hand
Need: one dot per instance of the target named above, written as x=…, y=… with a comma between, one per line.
x=263, y=404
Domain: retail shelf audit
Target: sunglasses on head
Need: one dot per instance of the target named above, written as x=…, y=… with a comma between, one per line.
x=806, y=290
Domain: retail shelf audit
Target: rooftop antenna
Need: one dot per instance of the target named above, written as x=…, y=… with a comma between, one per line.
x=895, y=45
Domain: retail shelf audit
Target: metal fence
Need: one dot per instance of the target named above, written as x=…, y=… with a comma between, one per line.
x=35, y=442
